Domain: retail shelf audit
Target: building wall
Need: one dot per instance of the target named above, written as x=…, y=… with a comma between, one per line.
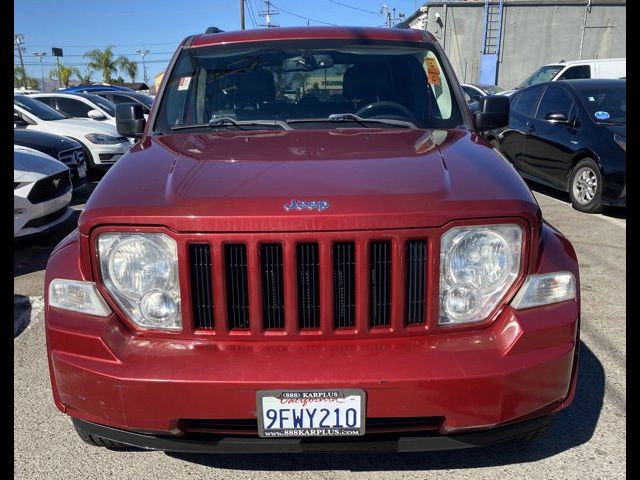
x=534, y=34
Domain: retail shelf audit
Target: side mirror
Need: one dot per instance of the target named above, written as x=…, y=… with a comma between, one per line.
x=18, y=120
x=96, y=115
x=130, y=120
x=492, y=112
x=476, y=97
x=557, y=117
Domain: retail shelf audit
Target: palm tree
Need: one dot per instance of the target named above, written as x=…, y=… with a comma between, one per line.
x=85, y=78
x=20, y=77
x=129, y=67
x=104, y=61
x=63, y=74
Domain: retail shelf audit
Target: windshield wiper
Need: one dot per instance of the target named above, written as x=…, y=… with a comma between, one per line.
x=232, y=122
x=352, y=117
x=612, y=122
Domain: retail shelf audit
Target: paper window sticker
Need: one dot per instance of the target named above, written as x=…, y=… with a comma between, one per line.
x=184, y=83
x=433, y=72
x=600, y=115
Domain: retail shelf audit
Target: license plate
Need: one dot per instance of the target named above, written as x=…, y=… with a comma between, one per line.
x=311, y=413
x=82, y=171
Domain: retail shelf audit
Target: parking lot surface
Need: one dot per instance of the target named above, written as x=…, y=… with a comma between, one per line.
x=585, y=441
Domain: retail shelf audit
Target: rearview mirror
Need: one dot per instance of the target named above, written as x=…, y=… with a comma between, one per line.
x=130, y=120
x=492, y=112
x=557, y=117
x=307, y=63
x=96, y=115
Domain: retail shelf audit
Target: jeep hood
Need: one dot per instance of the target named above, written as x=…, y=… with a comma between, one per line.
x=371, y=178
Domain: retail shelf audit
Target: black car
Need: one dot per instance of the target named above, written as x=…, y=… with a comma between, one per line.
x=570, y=135
x=128, y=97
x=64, y=149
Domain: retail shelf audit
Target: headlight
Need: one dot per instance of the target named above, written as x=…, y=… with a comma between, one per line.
x=102, y=139
x=621, y=141
x=140, y=271
x=477, y=266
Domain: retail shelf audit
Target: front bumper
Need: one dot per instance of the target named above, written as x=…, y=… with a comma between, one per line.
x=522, y=366
x=31, y=219
x=381, y=443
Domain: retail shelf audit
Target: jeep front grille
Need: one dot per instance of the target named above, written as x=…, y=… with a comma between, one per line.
x=201, y=285
x=291, y=285
x=272, y=285
x=235, y=263
x=308, y=274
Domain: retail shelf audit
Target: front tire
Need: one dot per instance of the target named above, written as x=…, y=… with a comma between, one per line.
x=585, y=187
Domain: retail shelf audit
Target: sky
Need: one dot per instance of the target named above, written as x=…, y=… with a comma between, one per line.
x=77, y=26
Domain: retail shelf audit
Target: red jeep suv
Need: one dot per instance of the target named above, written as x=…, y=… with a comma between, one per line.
x=311, y=248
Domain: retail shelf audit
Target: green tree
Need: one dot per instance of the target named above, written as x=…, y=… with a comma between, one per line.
x=62, y=74
x=129, y=67
x=83, y=78
x=19, y=77
x=104, y=61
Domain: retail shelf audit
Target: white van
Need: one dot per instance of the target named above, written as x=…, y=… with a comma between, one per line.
x=600, y=68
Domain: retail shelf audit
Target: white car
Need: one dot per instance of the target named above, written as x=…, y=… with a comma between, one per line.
x=41, y=192
x=80, y=105
x=102, y=143
x=575, y=69
x=24, y=91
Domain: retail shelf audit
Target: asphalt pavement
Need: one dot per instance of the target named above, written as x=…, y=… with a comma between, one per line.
x=586, y=441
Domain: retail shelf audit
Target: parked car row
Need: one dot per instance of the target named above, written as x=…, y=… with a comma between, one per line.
x=59, y=138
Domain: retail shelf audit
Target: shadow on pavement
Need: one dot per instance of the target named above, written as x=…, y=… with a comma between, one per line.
x=615, y=212
x=571, y=428
x=21, y=314
x=31, y=254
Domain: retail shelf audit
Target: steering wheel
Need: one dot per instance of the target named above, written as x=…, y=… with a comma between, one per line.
x=374, y=108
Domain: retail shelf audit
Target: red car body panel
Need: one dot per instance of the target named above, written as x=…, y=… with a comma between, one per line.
x=392, y=184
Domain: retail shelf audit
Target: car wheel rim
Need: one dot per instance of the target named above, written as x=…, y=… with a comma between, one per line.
x=585, y=185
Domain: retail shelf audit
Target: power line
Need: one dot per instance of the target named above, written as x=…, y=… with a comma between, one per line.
x=251, y=14
x=355, y=8
x=115, y=46
x=267, y=15
x=303, y=17
x=84, y=64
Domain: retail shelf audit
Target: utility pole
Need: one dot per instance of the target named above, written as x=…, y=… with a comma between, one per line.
x=144, y=65
x=40, y=56
x=267, y=15
x=18, y=39
x=241, y=14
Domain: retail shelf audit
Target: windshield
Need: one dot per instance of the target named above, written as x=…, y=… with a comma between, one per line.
x=37, y=108
x=605, y=104
x=103, y=103
x=543, y=74
x=142, y=98
x=306, y=82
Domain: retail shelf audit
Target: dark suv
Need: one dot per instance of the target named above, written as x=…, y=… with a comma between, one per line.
x=311, y=248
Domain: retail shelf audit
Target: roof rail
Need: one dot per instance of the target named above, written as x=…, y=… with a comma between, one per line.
x=214, y=30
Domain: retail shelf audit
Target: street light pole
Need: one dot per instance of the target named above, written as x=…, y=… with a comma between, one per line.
x=40, y=56
x=18, y=38
x=144, y=65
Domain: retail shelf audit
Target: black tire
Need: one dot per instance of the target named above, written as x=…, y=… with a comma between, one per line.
x=585, y=197
x=96, y=441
